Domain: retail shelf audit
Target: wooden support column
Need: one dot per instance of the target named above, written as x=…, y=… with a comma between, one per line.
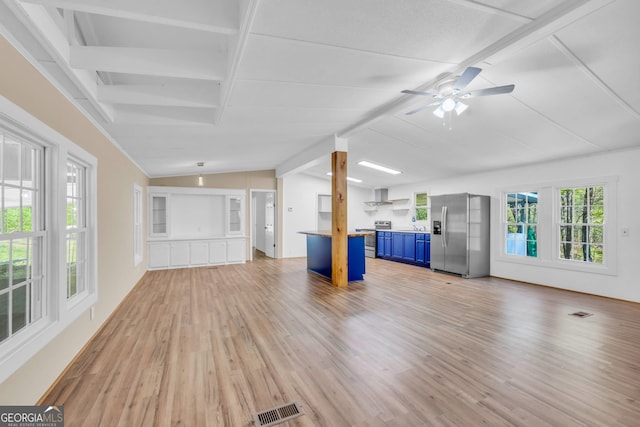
x=339, y=237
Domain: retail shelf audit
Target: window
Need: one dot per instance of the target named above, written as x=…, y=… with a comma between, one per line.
x=48, y=241
x=567, y=225
x=76, y=229
x=21, y=236
x=521, y=224
x=582, y=224
x=421, y=201
x=137, y=224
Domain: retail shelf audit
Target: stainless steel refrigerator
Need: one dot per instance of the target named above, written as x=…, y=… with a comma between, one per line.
x=460, y=239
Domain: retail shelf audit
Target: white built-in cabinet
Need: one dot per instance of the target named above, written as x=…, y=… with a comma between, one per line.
x=192, y=227
x=158, y=221
x=324, y=203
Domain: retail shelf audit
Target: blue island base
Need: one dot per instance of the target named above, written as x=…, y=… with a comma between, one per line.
x=319, y=256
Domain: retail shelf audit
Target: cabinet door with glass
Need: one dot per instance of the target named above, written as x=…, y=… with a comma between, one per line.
x=158, y=215
x=235, y=214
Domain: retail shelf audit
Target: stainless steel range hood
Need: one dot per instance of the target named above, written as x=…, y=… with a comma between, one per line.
x=381, y=197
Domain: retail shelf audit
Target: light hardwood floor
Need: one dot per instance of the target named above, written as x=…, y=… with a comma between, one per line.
x=405, y=347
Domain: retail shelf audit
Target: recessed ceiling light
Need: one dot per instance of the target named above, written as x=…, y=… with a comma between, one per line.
x=378, y=167
x=348, y=178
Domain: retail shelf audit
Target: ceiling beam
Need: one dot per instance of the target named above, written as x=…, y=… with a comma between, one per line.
x=204, y=95
x=219, y=16
x=237, y=45
x=50, y=31
x=312, y=156
x=154, y=62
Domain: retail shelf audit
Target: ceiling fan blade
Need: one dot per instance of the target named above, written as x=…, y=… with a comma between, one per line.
x=416, y=92
x=469, y=74
x=489, y=91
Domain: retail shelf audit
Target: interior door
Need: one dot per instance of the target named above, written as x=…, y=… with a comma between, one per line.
x=269, y=227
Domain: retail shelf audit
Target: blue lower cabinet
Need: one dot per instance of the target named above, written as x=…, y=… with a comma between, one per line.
x=397, y=245
x=421, y=255
x=380, y=244
x=409, y=247
x=423, y=249
x=383, y=244
x=413, y=248
x=387, y=244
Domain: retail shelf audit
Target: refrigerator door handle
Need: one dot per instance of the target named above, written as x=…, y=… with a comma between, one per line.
x=444, y=226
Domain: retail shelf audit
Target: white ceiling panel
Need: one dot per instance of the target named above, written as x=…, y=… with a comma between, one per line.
x=275, y=59
x=273, y=78
x=253, y=93
x=611, y=54
x=530, y=9
x=552, y=84
x=426, y=29
x=267, y=116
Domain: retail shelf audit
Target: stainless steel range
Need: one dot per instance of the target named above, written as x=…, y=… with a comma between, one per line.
x=370, y=239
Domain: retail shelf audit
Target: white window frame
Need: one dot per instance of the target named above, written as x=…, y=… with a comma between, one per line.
x=505, y=224
x=416, y=207
x=35, y=281
x=59, y=312
x=548, y=248
x=138, y=234
x=79, y=229
x=610, y=243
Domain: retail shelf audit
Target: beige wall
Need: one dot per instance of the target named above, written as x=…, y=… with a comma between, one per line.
x=22, y=84
x=259, y=180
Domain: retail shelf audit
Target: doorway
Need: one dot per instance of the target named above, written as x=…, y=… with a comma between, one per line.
x=263, y=222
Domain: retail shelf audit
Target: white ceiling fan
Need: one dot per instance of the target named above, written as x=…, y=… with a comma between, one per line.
x=449, y=94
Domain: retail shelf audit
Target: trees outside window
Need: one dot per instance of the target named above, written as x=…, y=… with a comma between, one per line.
x=421, y=201
x=582, y=224
x=21, y=235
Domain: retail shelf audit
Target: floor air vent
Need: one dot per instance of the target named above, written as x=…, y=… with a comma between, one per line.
x=581, y=314
x=278, y=415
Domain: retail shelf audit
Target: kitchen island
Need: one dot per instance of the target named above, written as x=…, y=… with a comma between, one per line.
x=319, y=253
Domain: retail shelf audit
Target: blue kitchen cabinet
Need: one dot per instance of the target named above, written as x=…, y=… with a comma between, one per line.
x=387, y=244
x=383, y=244
x=380, y=244
x=397, y=245
x=409, y=247
x=423, y=249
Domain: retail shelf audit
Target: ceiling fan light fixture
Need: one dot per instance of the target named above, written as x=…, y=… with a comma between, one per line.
x=448, y=104
x=439, y=112
x=460, y=107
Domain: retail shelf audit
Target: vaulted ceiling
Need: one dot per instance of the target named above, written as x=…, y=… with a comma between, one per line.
x=250, y=84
